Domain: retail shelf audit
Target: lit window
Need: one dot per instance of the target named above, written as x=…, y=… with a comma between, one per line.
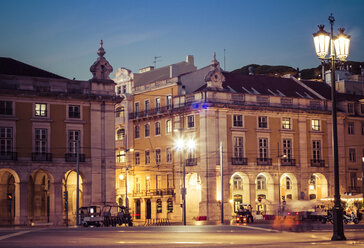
x=158, y=105
x=286, y=123
x=120, y=156
x=120, y=134
x=169, y=102
x=158, y=156
x=237, y=183
x=169, y=126
x=41, y=109
x=315, y=125
x=261, y=182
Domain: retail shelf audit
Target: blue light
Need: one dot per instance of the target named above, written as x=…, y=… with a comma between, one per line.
x=204, y=105
x=195, y=106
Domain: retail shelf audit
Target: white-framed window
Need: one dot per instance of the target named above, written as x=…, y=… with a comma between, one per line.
x=261, y=182
x=238, y=147
x=136, y=109
x=287, y=148
x=137, y=184
x=147, y=183
x=146, y=107
x=190, y=121
x=158, y=182
x=146, y=130
x=286, y=123
x=118, y=90
x=316, y=150
x=120, y=156
x=169, y=126
x=137, y=158
x=237, y=182
x=237, y=120
x=120, y=134
x=147, y=156
x=6, y=140
x=40, y=110
x=136, y=131
x=157, y=156
x=263, y=147
x=41, y=140
x=315, y=125
x=124, y=89
x=169, y=181
x=351, y=129
x=262, y=121
x=74, y=136
x=168, y=155
x=169, y=102
x=158, y=105
x=6, y=108
x=352, y=156
x=74, y=111
x=157, y=128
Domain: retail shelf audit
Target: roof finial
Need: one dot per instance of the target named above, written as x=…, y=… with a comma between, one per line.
x=101, y=52
x=214, y=62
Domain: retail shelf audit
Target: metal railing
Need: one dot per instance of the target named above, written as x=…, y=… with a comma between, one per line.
x=37, y=156
x=154, y=192
x=264, y=161
x=9, y=156
x=288, y=162
x=72, y=157
x=317, y=163
x=239, y=161
x=191, y=161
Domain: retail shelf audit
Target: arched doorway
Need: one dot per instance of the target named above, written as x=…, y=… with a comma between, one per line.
x=70, y=186
x=39, y=196
x=193, y=196
x=317, y=186
x=264, y=193
x=240, y=190
x=8, y=196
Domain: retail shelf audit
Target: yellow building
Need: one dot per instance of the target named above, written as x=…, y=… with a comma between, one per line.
x=43, y=117
x=275, y=135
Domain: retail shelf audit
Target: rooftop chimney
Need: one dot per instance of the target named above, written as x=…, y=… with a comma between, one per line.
x=190, y=59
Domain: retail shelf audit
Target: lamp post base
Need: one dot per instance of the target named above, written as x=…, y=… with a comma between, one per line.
x=338, y=227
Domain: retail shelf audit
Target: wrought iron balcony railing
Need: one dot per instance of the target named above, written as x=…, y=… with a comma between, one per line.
x=154, y=192
x=44, y=156
x=264, y=161
x=72, y=157
x=8, y=156
x=317, y=163
x=239, y=161
x=288, y=162
x=191, y=161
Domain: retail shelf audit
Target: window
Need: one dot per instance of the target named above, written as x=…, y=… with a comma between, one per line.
x=168, y=126
x=74, y=111
x=261, y=182
x=158, y=156
x=286, y=123
x=41, y=109
x=73, y=138
x=119, y=112
x=147, y=157
x=146, y=107
x=169, y=181
x=146, y=130
x=159, y=206
x=158, y=105
x=124, y=89
x=352, y=157
x=136, y=132
x=190, y=121
x=6, y=140
x=137, y=158
x=147, y=183
x=169, y=102
x=118, y=90
x=6, y=108
x=287, y=148
x=237, y=183
x=137, y=184
x=288, y=183
x=315, y=125
x=316, y=150
x=262, y=122
x=351, y=108
x=237, y=120
x=238, y=147
x=158, y=182
x=263, y=148
x=120, y=134
x=169, y=155
x=136, y=109
x=170, y=205
x=350, y=127
x=120, y=156
x=157, y=128
x=41, y=140
x=353, y=180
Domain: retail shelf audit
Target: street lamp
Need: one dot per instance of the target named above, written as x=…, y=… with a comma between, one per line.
x=183, y=145
x=322, y=41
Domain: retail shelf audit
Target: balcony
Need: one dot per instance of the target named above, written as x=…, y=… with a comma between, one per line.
x=153, y=192
x=72, y=157
x=288, y=162
x=150, y=112
x=9, y=156
x=191, y=161
x=264, y=161
x=239, y=161
x=36, y=156
x=317, y=163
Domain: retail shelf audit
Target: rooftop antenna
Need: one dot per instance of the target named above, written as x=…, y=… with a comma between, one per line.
x=224, y=60
x=156, y=60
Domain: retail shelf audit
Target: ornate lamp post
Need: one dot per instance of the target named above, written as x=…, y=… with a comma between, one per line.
x=323, y=40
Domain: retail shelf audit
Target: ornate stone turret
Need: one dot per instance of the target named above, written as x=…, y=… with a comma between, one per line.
x=101, y=83
x=215, y=78
x=101, y=69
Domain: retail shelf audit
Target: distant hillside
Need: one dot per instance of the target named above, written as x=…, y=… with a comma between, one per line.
x=311, y=73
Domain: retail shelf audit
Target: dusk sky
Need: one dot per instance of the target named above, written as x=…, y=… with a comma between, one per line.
x=63, y=36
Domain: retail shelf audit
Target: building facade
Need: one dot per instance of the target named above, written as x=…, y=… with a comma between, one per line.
x=45, y=121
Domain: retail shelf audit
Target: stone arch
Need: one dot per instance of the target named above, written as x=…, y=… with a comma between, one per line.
x=9, y=196
x=69, y=184
x=317, y=186
x=239, y=190
x=193, y=196
x=288, y=187
x=264, y=184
